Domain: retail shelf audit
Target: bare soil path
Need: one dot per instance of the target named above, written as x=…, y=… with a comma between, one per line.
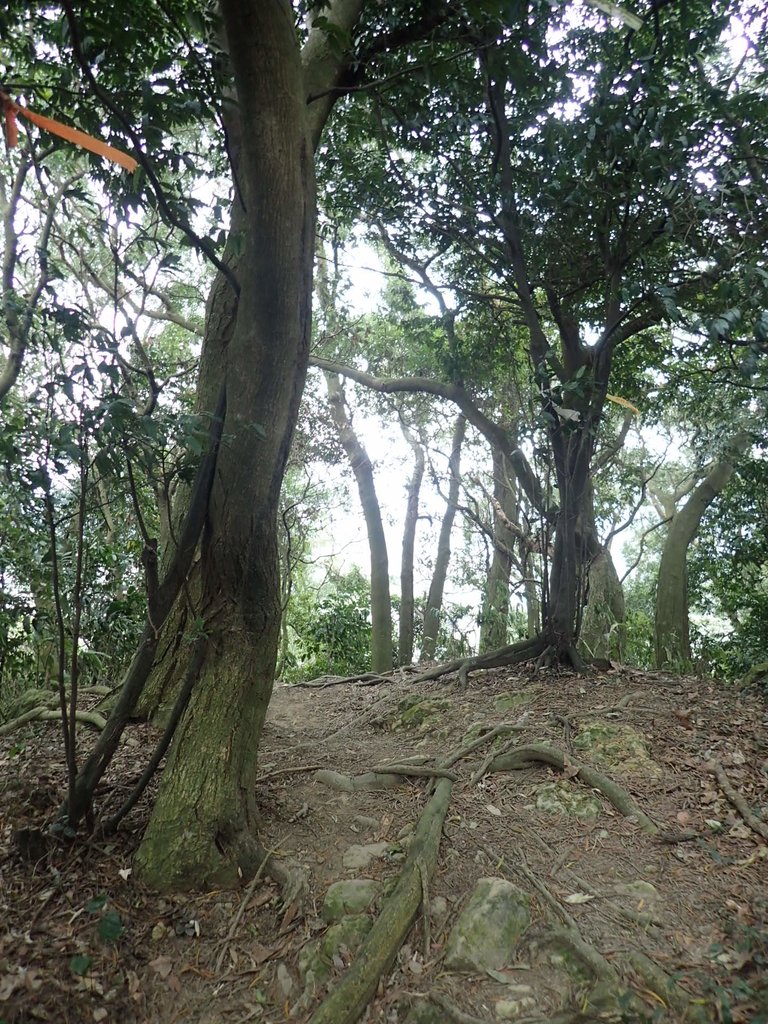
x=81, y=942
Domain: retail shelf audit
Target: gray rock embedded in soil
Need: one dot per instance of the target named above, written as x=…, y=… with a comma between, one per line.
x=618, y=747
x=487, y=931
x=317, y=956
x=639, y=889
x=426, y=1012
x=358, y=857
x=284, y=980
x=567, y=798
x=420, y=713
x=520, y=1000
x=504, y=702
x=362, y=821
x=349, y=896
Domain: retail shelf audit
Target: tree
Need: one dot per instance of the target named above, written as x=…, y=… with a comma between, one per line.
x=410, y=522
x=671, y=631
x=593, y=187
x=434, y=602
x=381, y=604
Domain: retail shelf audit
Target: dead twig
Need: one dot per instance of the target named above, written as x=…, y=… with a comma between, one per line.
x=290, y=771
x=241, y=910
x=418, y=771
x=737, y=800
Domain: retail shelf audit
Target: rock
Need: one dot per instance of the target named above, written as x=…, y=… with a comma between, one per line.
x=425, y=1012
x=509, y=701
x=618, y=747
x=520, y=1000
x=438, y=908
x=358, y=857
x=638, y=889
x=350, y=896
x=420, y=713
x=756, y=676
x=285, y=980
x=27, y=700
x=567, y=798
x=486, y=933
x=317, y=956
x=364, y=823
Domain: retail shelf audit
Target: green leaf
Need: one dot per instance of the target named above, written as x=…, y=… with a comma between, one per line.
x=96, y=904
x=80, y=964
x=111, y=926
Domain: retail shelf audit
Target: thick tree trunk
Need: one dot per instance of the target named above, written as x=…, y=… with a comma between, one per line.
x=603, y=632
x=671, y=633
x=494, y=621
x=572, y=444
x=407, y=602
x=434, y=603
x=381, y=600
x=201, y=830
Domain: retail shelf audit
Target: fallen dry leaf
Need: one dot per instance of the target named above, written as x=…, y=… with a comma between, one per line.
x=162, y=965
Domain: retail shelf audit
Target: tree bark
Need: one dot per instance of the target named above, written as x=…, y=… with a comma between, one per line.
x=603, y=631
x=494, y=622
x=434, y=603
x=381, y=601
x=672, y=631
x=407, y=602
x=201, y=832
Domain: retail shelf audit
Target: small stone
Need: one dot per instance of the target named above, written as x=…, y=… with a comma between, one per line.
x=438, y=907
x=365, y=823
x=488, y=930
x=158, y=931
x=357, y=857
x=349, y=896
x=284, y=980
x=511, y=1009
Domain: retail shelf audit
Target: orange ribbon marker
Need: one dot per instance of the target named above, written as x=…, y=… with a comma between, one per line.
x=11, y=111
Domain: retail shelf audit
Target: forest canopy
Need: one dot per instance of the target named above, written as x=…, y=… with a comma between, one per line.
x=566, y=204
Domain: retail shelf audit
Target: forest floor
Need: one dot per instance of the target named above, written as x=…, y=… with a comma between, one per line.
x=82, y=942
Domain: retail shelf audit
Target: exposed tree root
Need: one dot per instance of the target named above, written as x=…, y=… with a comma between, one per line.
x=486, y=737
x=370, y=782
x=521, y=757
x=348, y=1001
x=453, y=1012
x=44, y=714
x=291, y=878
x=660, y=983
x=512, y=654
x=551, y=656
x=737, y=800
x=415, y=771
x=363, y=679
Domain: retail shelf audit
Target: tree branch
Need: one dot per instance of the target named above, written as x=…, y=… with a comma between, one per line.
x=494, y=434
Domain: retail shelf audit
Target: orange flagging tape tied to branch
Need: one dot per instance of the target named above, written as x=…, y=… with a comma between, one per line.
x=11, y=111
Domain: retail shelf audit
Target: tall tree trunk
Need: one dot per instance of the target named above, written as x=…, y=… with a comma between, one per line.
x=407, y=602
x=671, y=632
x=201, y=832
x=494, y=621
x=603, y=632
x=572, y=443
x=381, y=600
x=434, y=604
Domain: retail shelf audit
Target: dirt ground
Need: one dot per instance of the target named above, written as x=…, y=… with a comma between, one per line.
x=83, y=942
